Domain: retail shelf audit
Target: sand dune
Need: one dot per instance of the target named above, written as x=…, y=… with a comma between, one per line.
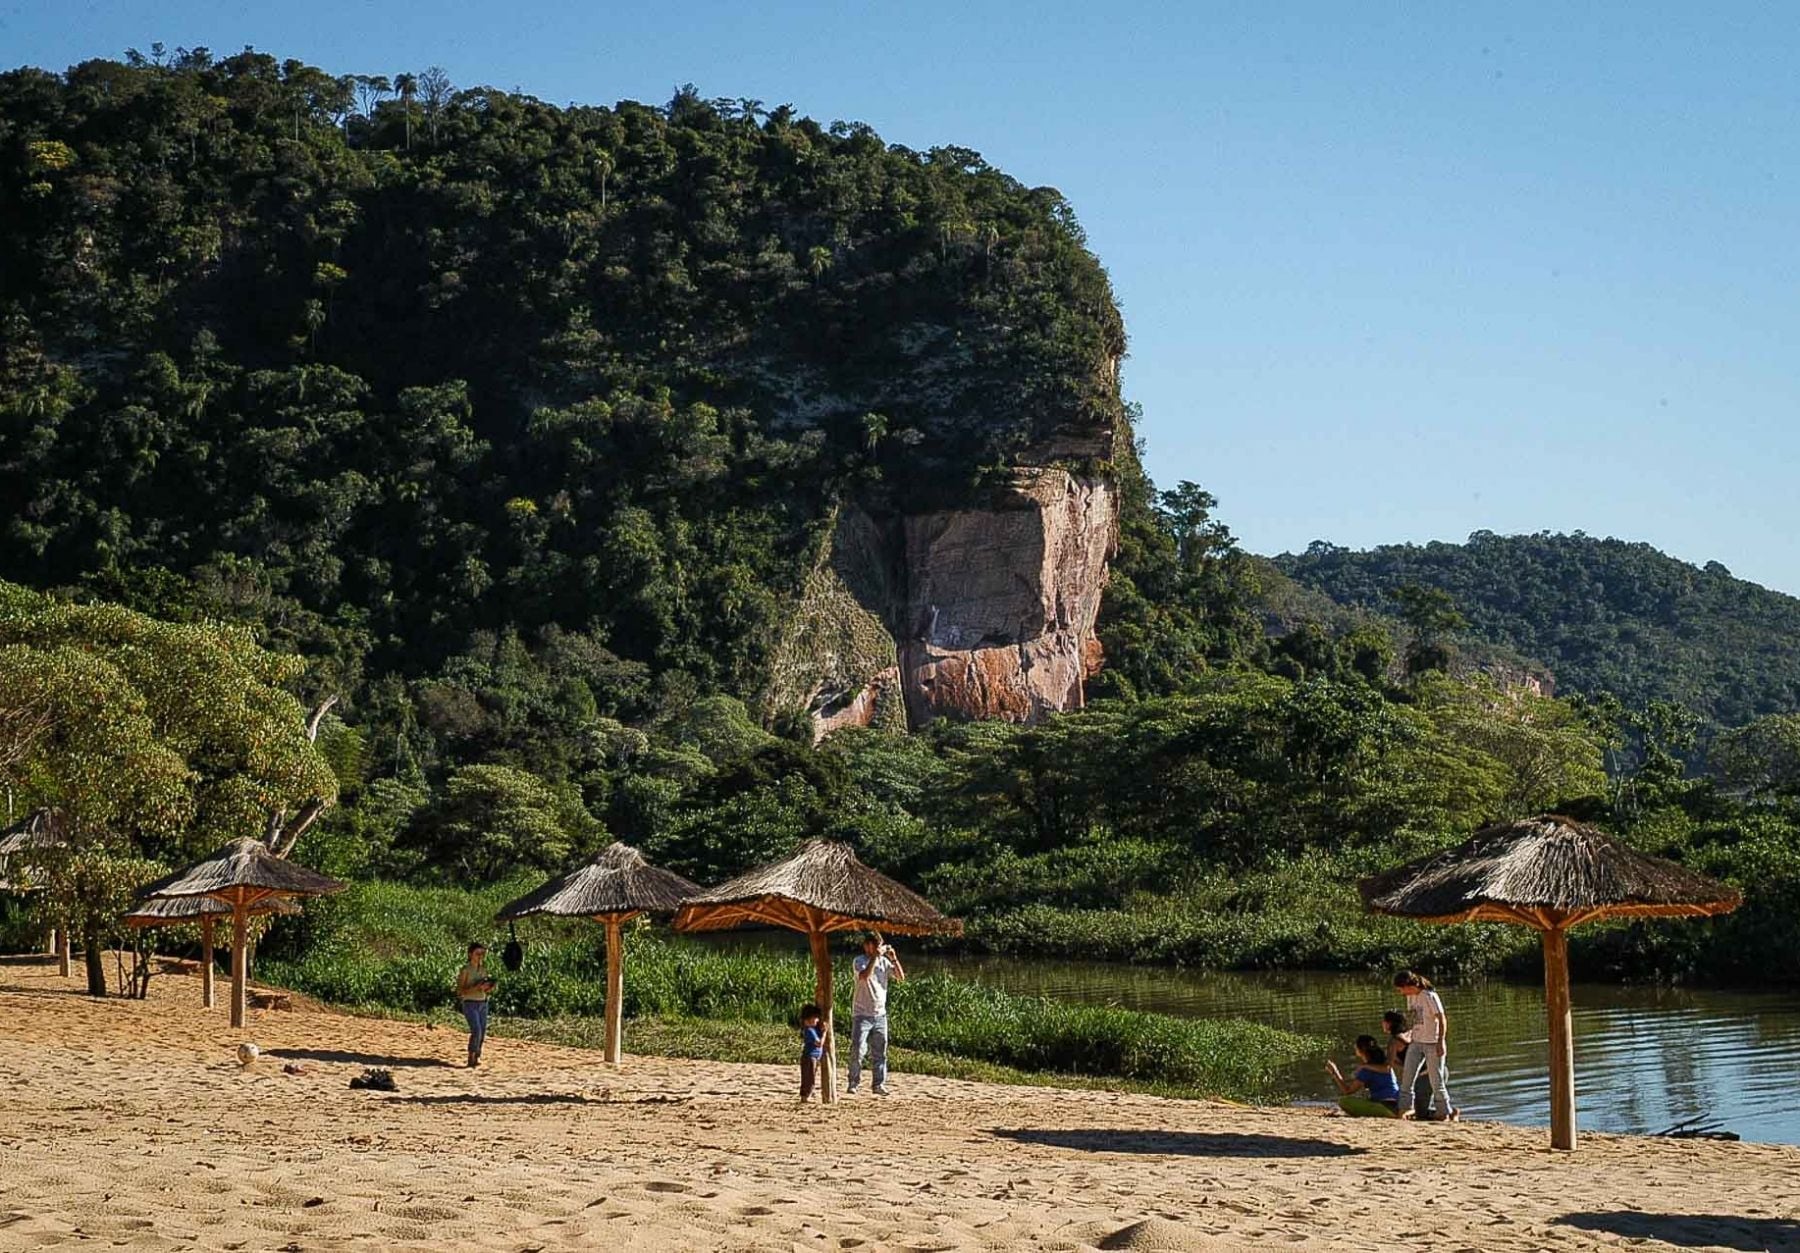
x=129, y=1124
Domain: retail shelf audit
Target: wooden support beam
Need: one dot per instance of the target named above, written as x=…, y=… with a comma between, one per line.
x=821, y=953
x=1562, y=1038
x=615, y=991
x=239, y=975
x=206, y=961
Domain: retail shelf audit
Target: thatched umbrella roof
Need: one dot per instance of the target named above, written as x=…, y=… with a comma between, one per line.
x=171, y=911
x=247, y=868
x=40, y=829
x=823, y=887
x=820, y=889
x=618, y=882
x=616, y=886
x=1545, y=872
x=1550, y=873
x=243, y=874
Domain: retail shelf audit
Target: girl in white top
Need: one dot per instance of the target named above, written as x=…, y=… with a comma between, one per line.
x=1429, y=1033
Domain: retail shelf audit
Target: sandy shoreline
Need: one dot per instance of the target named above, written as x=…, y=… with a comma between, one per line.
x=127, y=1124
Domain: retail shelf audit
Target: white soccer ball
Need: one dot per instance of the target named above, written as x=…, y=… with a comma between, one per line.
x=247, y=1054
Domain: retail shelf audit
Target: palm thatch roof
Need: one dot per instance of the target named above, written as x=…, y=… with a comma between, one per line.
x=823, y=887
x=618, y=881
x=170, y=911
x=243, y=868
x=1546, y=872
x=41, y=828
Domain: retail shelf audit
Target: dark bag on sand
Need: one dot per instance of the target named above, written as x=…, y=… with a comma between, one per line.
x=375, y=1080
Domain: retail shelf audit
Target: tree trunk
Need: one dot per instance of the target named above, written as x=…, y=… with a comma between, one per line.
x=96, y=968
x=62, y=949
x=615, y=994
x=1562, y=1039
x=821, y=952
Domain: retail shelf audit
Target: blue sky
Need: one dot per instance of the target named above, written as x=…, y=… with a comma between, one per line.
x=1387, y=278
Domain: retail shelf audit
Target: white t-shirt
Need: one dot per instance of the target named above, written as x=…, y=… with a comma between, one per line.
x=1422, y=1010
x=870, y=1000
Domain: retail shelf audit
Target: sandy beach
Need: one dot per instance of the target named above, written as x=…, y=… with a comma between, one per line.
x=128, y=1124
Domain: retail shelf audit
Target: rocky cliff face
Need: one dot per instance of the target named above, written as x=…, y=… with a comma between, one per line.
x=998, y=615
x=981, y=611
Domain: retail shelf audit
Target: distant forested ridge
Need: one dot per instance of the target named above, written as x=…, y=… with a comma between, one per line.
x=379, y=365
x=1605, y=615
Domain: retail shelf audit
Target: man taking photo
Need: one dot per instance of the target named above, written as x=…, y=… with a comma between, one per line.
x=868, y=1009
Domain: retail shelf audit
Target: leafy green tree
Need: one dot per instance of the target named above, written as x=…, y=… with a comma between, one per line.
x=149, y=740
x=494, y=819
x=1432, y=616
x=1761, y=760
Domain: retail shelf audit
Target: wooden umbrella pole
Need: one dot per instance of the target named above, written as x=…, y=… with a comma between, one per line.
x=240, y=917
x=1562, y=1038
x=206, y=962
x=615, y=992
x=821, y=953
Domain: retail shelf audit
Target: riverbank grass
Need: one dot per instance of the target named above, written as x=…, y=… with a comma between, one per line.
x=394, y=949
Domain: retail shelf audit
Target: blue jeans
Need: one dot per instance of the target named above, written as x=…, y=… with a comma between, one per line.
x=476, y=1013
x=868, y=1035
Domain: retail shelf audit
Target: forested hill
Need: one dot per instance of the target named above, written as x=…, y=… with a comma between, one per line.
x=386, y=367
x=1605, y=615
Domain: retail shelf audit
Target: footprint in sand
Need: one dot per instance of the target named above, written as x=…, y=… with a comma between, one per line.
x=664, y=1185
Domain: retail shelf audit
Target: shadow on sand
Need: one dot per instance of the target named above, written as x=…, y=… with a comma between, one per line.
x=1184, y=1143
x=527, y=1098
x=355, y=1059
x=1692, y=1231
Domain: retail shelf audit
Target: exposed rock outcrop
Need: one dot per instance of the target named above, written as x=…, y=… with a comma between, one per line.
x=983, y=611
x=998, y=619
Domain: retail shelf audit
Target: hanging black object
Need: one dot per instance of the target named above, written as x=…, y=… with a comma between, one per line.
x=513, y=955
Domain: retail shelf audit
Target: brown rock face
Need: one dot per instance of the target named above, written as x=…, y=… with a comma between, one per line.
x=983, y=611
x=999, y=605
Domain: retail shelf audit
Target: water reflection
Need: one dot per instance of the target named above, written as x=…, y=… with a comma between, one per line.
x=1645, y=1058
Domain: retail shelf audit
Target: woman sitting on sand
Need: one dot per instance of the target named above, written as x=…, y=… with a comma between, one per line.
x=1373, y=1077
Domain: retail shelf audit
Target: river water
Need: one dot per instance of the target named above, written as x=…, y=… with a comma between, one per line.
x=1645, y=1057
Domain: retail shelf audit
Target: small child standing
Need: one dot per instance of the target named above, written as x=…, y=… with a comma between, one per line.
x=812, y=1047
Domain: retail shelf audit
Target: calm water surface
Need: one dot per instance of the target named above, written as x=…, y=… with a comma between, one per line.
x=1645, y=1058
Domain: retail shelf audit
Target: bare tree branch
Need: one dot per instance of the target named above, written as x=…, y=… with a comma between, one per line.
x=284, y=842
x=318, y=716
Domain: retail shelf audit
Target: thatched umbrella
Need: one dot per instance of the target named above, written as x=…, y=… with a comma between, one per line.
x=243, y=874
x=612, y=889
x=820, y=889
x=39, y=830
x=173, y=911
x=1551, y=873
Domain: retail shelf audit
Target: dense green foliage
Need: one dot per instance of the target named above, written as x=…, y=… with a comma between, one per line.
x=1606, y=616
x=384, y=945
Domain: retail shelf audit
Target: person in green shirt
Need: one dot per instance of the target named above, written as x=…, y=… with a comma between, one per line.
x=473, y=983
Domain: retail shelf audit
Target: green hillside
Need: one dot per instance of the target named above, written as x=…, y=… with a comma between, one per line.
x=381, y=366
x=1605, y=615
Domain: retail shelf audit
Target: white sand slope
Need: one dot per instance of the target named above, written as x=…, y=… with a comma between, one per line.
x=129, y=1124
